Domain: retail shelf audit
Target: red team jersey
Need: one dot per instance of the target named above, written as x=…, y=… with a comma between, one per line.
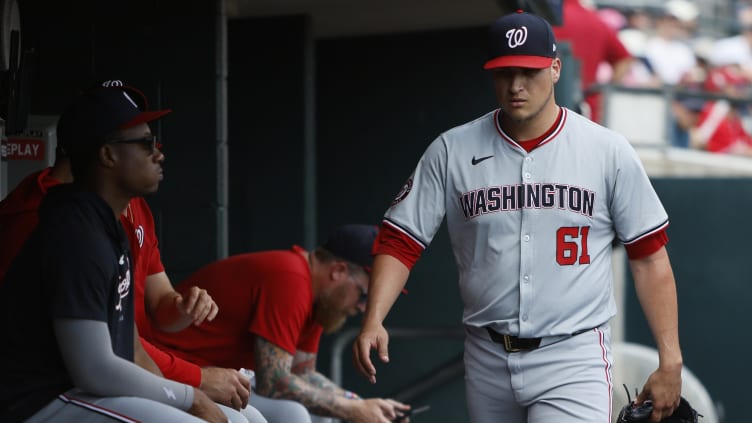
x=138, y=223
x=266, y=294
x=19, y=216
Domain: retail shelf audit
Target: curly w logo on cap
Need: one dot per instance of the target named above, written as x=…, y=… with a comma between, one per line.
x=520, y=40
x=517, y=37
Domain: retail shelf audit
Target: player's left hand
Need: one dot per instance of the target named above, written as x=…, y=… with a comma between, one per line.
x=664, y=389
x=198, y=305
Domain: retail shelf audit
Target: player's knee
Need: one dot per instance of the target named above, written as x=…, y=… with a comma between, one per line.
x=295, y=412
x=282, y=411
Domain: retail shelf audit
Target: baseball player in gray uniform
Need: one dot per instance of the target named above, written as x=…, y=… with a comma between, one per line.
x=534, y=196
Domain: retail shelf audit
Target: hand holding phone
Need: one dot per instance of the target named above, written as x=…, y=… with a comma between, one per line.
x=411, y=412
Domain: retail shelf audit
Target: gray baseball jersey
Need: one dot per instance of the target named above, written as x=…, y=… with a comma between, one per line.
x=531, y=232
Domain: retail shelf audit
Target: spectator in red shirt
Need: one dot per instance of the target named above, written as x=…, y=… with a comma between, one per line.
x=592, y=42
x=719, y=128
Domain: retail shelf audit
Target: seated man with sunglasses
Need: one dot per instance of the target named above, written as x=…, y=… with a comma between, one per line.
x=19, y=216
x=275, y=306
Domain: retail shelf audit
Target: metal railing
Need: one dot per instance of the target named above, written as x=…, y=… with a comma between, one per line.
x=443, y=373
x=345, y=339
x=649, y=105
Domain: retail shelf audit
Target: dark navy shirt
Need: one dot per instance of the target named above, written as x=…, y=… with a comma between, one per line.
x=75, y=265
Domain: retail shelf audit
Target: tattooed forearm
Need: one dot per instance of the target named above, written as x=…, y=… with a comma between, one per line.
x=322, y=382
x=275, y=379
x=304, y=365
x=318, y=401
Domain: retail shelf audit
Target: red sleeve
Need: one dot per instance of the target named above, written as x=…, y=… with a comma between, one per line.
x=151, y=250
x=615, y=51
x=139, y=224
x=172, y=367
x=396, y=243
x=647, y=246
x=154, y=265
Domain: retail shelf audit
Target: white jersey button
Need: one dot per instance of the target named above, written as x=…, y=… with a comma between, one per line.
x=526, y=278
x=527, y=175
x=527, y=159
x=524, y=317
x=526, y=238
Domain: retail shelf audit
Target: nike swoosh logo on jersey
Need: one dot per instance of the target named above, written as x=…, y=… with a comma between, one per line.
x=476, y=161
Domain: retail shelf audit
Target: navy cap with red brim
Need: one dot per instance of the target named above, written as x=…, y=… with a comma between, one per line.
x=531, y=62
x=520, y=40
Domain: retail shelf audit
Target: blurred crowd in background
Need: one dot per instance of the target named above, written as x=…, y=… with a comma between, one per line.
x=707, y=78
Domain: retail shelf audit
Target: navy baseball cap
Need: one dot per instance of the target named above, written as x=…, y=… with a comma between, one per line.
x=98, y=112
x=353, y=242
x=521, y=40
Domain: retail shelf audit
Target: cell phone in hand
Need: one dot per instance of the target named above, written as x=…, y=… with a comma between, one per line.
x=411, y=412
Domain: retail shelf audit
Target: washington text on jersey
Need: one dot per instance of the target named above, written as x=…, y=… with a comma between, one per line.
x=527, y=196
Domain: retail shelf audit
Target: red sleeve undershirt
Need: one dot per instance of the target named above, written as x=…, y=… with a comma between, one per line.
x=397, y=244
x=172, y=366
x=647, y=246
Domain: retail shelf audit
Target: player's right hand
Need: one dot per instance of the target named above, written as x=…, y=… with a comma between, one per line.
x=197, y=304
x=370, y=337
x=226, y=386
x=204, y=408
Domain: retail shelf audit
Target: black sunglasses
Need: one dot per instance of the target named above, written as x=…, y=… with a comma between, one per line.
x=149, y=142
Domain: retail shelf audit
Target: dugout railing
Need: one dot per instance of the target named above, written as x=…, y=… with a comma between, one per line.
x=421, y=384
x=644, y=115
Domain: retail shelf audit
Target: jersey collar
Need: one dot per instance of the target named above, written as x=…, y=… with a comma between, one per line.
x=530, y=145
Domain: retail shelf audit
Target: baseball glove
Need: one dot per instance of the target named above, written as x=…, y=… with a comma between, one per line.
x=641, y=412
x=683, y=414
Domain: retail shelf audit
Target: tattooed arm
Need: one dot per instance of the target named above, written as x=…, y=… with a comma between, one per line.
x=304, y=365
x=275, y=379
